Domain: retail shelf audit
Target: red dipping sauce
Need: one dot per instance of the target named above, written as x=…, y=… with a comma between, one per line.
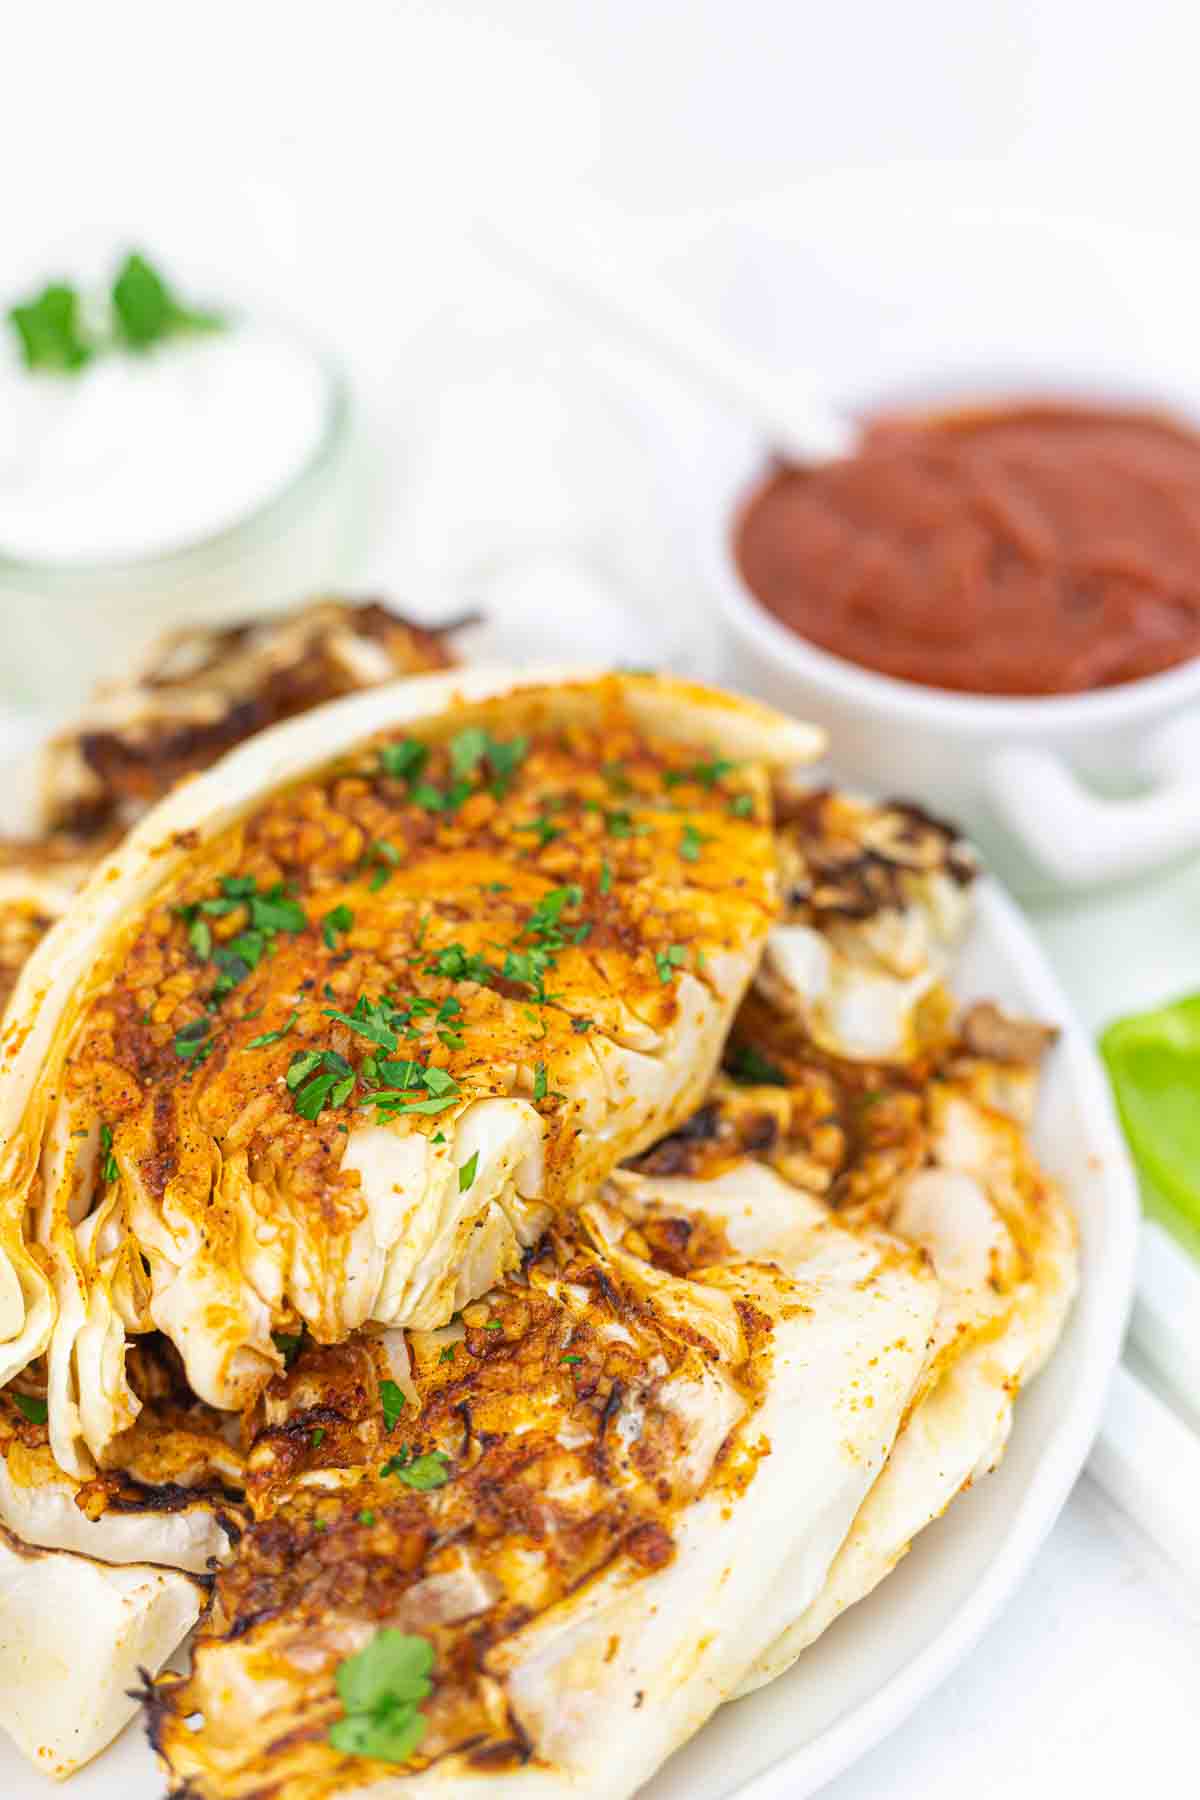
x=1030, y=549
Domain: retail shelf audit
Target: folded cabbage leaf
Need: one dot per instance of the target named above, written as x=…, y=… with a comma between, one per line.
x=76, y=1637
x=346, y=1020
x=570, y=1530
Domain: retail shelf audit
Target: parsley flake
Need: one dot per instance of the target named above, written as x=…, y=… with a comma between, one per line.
x=109, y=1169
x=381, y=1689
x=272, y=1037
x=391, y=1399
x=467, y=1173
x=751, y=1067
x=35, y=1410
x=667, y=962
x=340, y=918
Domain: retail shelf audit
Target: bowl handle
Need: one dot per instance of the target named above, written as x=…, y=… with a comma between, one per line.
x=1081, y=838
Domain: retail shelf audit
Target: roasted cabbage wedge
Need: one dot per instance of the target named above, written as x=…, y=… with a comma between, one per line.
x=876, y=898
x=577, y=1518
x=195, y=694
x=171, y=1491
x=944, y=1164
x=75, y=1637
x=346, y=1020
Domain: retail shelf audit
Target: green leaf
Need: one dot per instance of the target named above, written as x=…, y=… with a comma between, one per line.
x=539, y=1081
x=312, y=1097
x=391, y=1399
x=145, y=310
x=691, y=843
x=389, y=1735
x=274, y=911
x=751, y=1067
x=466, y=1174
x=404, y=760
x=742, y=805
x=301, y=1066
x=667, y=962
x=288, y=1346
x=605, y=878
x=468, y=749
x=110, y=1170
x=424, y=1473
x=339, y=919
x=705, y=774
x=367, y=1021
x=35, y=1410
x=457, y=963
x=393, y=1669
x=272, y=1037
x=1153, y=1061
x=191, y=1041
x=51, y=331
x=200, y=938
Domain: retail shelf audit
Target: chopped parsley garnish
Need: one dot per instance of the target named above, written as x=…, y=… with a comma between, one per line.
x=35, y=1410
x=605, y=878
x=620, y=824
x=468, y=749
x=705, y=774
x=439, y=800
x=313, y=1091
x=52, y=330
x=288, y=1346
x=447, y=1353
x=581, y=1025
x=50, y=327
x=391, y=1399
x=381, y=1690
x=457, y=963
x=440, y=1086
x=667, y=962
x=571, y=1359
x=269, y=912
x=404, y=760
x=109, y=1167
x=145, y=311
x=742, y=805
x=200, y=938
x=493, y=1325
x=468, y=1171
x=340, y=918
x=366, y=1516
x=546, y=832
x=318, y=1437
x=383, y=858
x=424, y=1473
x=539, y=1081
x=371, y=1019
x=529, y=968
x=193, y=1042
x=751, y=1067
x=691, y=844
x=272, y=1037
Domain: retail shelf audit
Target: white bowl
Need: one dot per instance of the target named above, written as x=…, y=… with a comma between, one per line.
x=1036, y=782
x=907, y=287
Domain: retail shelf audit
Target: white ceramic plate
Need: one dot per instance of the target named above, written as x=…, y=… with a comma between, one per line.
x=856, y=1683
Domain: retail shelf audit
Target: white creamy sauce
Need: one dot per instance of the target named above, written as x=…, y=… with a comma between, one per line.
x=141, y=454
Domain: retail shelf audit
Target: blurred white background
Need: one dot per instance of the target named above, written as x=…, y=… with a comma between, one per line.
x=333, y=159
